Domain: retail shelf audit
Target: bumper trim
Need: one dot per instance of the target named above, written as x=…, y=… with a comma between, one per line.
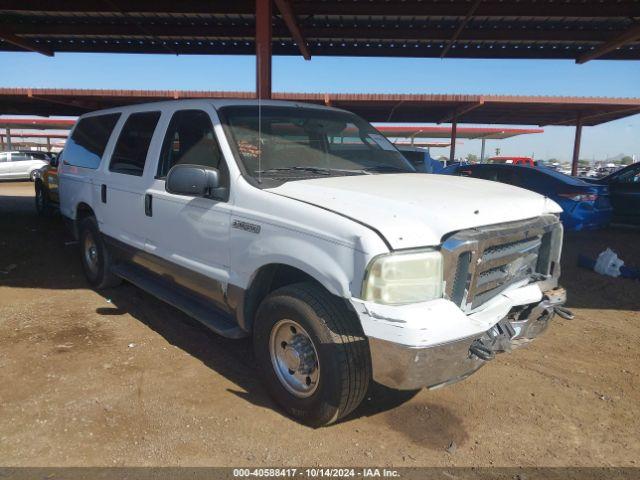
x=408, y=368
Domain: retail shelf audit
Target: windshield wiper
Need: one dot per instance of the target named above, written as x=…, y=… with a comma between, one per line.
x=319, y=170
x=322, y=171
x=385, y=168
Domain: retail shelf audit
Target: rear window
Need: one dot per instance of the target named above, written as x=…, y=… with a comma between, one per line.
x=86, y=145
x=130, y=153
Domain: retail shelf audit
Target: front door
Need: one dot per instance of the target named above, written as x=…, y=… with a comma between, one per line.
x=191, y=233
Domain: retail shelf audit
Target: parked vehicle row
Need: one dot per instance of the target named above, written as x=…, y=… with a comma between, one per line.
x=523, y=161
x=303, y=227
x=584, y=205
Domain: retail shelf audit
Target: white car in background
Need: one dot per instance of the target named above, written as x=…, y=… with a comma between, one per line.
x=22, y=164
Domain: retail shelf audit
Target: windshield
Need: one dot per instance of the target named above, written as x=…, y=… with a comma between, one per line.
x=292, y=142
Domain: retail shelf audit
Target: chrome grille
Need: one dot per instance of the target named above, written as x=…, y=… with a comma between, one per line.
x=482, y=262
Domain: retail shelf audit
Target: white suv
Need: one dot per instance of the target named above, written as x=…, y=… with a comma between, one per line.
x=303, y=227
x=23, y=164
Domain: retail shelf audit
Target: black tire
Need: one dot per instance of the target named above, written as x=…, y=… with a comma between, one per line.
x=96, y=263
x=43, y=204
x=341, y=347
x=33, y=175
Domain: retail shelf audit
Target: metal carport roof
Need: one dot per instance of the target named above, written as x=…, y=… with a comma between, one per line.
x=399, y=108
x=574, y=29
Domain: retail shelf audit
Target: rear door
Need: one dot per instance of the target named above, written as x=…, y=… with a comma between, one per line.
x=624, y=189
x=79, y=163
x=4, y=164
x=122, y=186
x=190, y=234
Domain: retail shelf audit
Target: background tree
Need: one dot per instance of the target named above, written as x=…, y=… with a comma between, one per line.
x=626, y=160
x=471, y=158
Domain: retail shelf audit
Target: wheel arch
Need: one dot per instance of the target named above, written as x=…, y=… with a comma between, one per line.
x=82, y=211
x=265, y=280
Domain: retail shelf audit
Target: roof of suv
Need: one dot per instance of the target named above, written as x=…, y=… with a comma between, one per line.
x=216, y=104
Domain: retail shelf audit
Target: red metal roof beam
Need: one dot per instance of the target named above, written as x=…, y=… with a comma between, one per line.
x=290, y=20
x=459, y=112
x=24, y=43
x=460, y=28
x=594, y=116
x=630, y=35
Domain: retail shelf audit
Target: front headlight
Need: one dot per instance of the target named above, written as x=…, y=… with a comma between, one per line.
x=399, y=278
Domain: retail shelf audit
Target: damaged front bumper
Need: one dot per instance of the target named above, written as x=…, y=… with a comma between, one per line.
x=436, y=344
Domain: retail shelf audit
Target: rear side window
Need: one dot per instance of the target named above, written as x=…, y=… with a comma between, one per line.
x=89, y=139
x=130, y=153
x=189, y=140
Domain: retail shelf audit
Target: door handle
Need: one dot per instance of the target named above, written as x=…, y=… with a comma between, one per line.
x=148, y=210
x=103, y=193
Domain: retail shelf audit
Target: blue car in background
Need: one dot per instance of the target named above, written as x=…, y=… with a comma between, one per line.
x=585, y=206
x=421, y=159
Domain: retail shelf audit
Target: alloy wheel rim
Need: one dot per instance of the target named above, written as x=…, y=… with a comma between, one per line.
x=294, y=358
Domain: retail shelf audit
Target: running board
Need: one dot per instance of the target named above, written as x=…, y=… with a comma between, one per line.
x=208, y=315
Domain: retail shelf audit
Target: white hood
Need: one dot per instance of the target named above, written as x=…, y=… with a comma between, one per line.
x=417, y=209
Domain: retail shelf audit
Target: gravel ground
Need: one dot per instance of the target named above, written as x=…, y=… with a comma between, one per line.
x=119, y=378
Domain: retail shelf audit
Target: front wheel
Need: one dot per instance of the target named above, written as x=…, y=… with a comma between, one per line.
x=313, y=355
x=33, y=175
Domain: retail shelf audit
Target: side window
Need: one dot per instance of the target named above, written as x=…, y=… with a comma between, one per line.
x=484, y=174
x=630, y=176
x=130, y=153
x=417, y=159
x=4, y=157
x=89, y=139
x=189, y=140
x=511, y=176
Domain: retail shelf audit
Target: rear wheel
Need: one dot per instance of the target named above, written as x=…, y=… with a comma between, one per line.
x=95, y=258
x=312, y=352
x=43, y=205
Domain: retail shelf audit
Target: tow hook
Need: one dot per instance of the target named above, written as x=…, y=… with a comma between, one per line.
x=564, y=313
x=481, y=351
x=496, y=340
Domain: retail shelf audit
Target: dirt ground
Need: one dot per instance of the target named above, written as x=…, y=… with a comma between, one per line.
x=119, y=378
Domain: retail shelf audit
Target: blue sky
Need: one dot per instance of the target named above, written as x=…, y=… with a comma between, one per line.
x=362, y=75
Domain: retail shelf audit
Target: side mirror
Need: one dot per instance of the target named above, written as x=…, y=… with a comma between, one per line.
x=54, y=161
x=194, y=181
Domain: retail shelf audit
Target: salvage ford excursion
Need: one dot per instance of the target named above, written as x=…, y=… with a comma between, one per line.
x=303, y=227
